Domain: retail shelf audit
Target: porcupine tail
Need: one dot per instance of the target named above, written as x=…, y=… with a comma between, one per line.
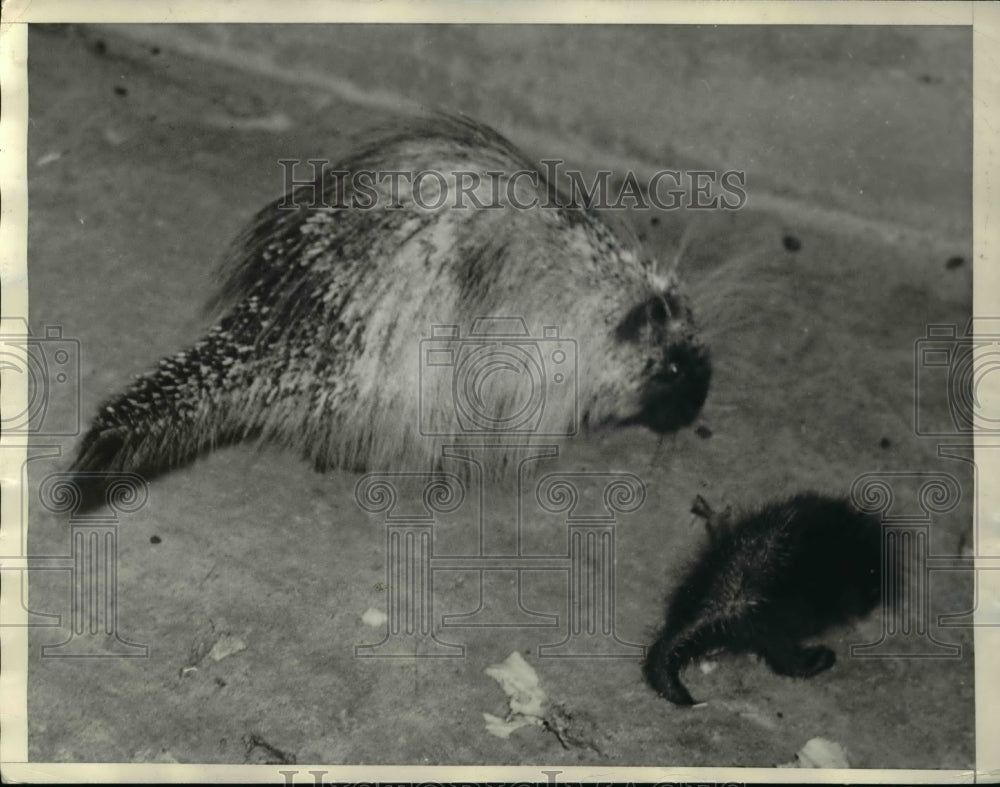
x=670, y=654
x=189, y=404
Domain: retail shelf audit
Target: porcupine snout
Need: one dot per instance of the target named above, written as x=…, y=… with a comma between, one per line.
x=678, y=366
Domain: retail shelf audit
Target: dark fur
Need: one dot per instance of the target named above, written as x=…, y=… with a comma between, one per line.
x=766, y=583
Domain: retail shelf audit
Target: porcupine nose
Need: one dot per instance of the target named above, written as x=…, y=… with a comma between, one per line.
x=674, y=394
x=677, y=383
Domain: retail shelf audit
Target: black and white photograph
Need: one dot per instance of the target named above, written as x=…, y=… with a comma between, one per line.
x=550, y=399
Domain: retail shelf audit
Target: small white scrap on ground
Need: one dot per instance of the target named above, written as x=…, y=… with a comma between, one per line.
x=525, y=696
x=48, y=158
x=708, y=667
x=374, y=617
x=226, y=646
x=502, y=728
x=750, y=712
x=820, y=753
x=114, y=137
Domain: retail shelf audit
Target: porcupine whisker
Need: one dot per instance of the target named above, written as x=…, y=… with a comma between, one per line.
x=686, y=234
x=726, y=272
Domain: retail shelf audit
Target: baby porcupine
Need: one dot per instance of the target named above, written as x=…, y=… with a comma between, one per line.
x=324, y=306
x=763, y=584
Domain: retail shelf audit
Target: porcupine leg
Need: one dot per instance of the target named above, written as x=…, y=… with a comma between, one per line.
x=794, y=660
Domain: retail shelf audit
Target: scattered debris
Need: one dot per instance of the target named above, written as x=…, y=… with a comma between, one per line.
x=526, y=699
x=708, y=667
x=954, y=262
x=260, y=752
x=703, y=432
x=198, y=651
x=226, y=646
x=502, y=728
x=48, y=158
x=819, y=753
x=529, y=706
x=114, y=137
x=520, y=682
x=217, y=647
x=207, y=577
x=574, y=730
x=791, y=243
x=374, y=617
x=155, y=540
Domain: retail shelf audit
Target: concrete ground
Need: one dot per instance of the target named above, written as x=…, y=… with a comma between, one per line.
x=149, y=148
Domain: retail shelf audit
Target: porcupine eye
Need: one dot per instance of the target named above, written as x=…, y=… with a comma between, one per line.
x=657, y=312
x=647, y=321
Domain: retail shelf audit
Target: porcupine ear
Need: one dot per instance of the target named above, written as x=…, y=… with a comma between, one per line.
x=717, y=523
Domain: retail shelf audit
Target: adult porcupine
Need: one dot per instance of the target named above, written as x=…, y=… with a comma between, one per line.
x=318, y=346
x=763, y=584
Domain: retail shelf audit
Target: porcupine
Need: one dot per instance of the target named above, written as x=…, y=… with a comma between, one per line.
x=763, y=584
x=323, y=306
